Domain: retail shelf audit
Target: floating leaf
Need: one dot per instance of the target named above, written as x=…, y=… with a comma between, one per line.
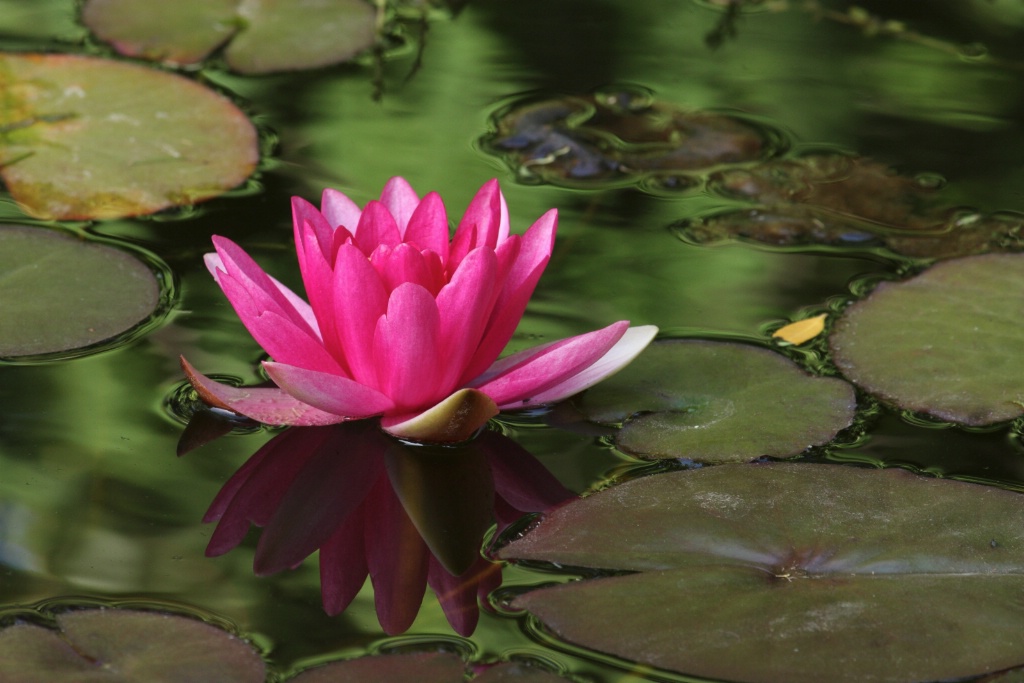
x=838, y=200
x=591, y=140
x=718, y=402
x=413, y=667
x=262, y=35
x=802, y=330
x=126, y=646
x=948, y=342
x=94, y=138
x=59, y=293
x=788, y=573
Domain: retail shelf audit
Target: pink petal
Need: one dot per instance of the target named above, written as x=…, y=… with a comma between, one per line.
x=404, y=263
x=465, y=305
x=480, y=225
x=515, y=380
x=359, y=301
x=401, y=201
x=327, y=392
x=619, y=356
x=520, y=479
x=339, y=210
x=406, y=351
x=266, y=292
x=376, y=226
x=428, y=227
x=310, y=228
x=457, y=595
x=267, y=405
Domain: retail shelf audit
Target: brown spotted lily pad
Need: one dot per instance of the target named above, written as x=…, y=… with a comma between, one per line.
x=84, y=137
x=790, y=573
x=948, y=342
x=843, y=201
x=716, y=402
x=261, y=36
x=621, y=135
x=126, y=646
x=63, y=294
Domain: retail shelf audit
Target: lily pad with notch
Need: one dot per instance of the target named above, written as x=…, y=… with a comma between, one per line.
x=60, y=294
x=716, y=402
x=947, y=343
x=790, y=573
x=126, y=646
x=86, y=138
x=260, y=36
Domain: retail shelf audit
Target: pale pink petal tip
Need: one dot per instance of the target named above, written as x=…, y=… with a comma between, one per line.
x=455, y=419
x=617, y=357
x=268, y=405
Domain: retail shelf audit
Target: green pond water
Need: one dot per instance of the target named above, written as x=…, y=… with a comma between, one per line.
x=94, y=504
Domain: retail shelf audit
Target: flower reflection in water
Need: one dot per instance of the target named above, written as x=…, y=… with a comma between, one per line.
x=406, y=516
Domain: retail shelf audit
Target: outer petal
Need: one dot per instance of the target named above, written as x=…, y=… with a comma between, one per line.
x=514, y=381
x=480, y=225
x=339, y=210
x=465, y=305
x=454, y=419
x=619, y=356
x=329, y=393
x=401, y=201
x=359, y=301
x=267, y=405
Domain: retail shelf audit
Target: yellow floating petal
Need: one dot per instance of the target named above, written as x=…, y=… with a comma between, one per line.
x=801, y=330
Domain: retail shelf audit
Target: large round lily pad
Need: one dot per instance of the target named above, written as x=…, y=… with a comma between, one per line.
x=717, y=402
x=261, y=35
x=422, y=667
x=59, y=293
x=126, y=646
x=790, y=573
x=948, y=342
x=94, y=138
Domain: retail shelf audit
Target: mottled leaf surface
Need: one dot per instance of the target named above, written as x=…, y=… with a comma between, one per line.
x=790, y=573
x=125, y=646
x=261, y=35
x=94, y=138
x=718, y=402
x=948, y=342
x=59, y=293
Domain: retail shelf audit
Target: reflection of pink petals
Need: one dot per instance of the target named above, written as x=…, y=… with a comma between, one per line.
x=400, y=317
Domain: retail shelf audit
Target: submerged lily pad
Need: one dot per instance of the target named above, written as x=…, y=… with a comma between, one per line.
x=59, y=293
x=262, y=35
x=622, y=134
x=93, y=138
x=126, y=646
x=789, y=573
x=717, y=402
x=843, y=201
x=948, y=342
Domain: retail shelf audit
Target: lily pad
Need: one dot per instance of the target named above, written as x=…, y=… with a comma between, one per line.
x=790, y=573
x=60, y=294
x=841, y=201
x=84, y=137
x=126, y=646
x=262, y=36
x=947, y=343
x=422, y=667
x=716, y=402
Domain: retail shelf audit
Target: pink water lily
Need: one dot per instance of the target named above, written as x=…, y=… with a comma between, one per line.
x=402, y=322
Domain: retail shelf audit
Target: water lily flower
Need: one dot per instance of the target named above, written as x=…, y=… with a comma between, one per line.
x=404, y=323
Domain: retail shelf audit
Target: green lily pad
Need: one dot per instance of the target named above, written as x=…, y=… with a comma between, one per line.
x=716, y=402
x=790, y=573
x=947, y=343
x=84, y=137
x=59, y=293
x=126, y=646
x=262, y=36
